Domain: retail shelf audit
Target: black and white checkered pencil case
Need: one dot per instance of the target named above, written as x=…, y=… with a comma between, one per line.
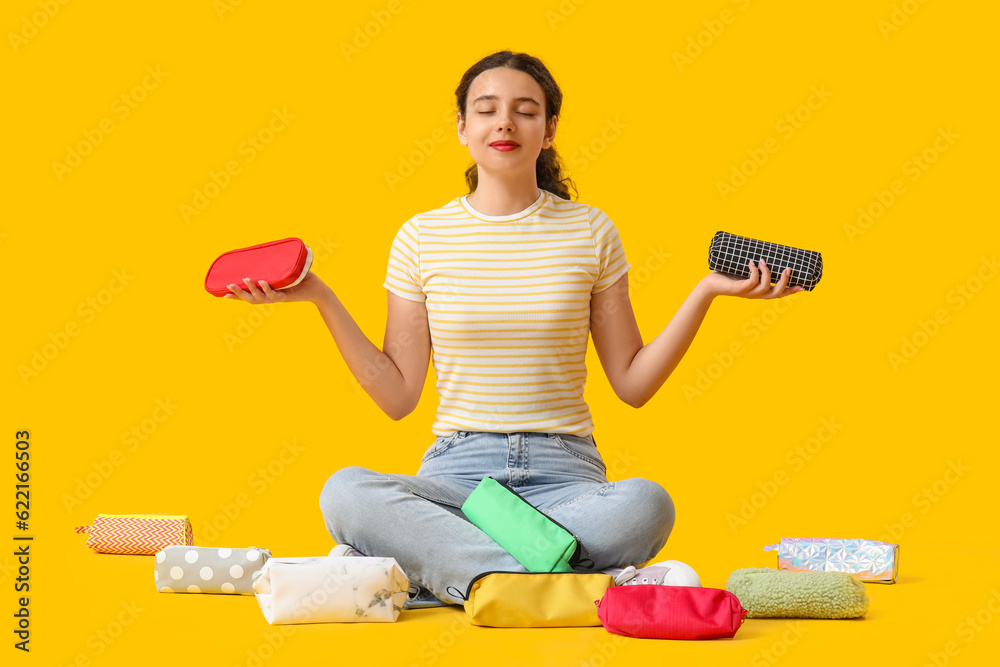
x=730, y=253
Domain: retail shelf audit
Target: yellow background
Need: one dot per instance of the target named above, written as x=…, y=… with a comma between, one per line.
x=647, y=137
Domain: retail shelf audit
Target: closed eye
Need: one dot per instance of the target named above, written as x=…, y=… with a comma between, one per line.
x=523, y=114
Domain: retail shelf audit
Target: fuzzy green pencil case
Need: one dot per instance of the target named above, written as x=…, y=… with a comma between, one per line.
x=768, y=593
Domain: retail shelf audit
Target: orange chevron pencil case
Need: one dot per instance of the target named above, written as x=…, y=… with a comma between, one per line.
x=137, y=533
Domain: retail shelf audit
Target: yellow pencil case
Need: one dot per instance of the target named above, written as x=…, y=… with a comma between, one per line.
x=137, y=533
x=536, y=599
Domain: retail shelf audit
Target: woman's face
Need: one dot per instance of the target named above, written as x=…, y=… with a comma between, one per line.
x=505, y=104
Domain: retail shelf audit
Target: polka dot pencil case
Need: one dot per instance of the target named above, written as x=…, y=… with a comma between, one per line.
x=731, y=254
x=185, y=569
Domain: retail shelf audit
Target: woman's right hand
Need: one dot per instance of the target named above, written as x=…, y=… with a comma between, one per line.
x=258, y=293
x=756, y=286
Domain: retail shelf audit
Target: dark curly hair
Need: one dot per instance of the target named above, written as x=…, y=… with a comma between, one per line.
x=548, y=166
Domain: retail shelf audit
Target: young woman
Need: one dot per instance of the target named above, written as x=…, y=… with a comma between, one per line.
x=505, y=283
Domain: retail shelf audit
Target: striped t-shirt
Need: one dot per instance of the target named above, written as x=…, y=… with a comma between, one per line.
x=508, y=306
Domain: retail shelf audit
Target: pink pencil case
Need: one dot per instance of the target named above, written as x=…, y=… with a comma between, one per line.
x=283, y=263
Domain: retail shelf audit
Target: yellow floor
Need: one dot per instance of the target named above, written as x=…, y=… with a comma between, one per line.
x=866, y=406
x=947, y=600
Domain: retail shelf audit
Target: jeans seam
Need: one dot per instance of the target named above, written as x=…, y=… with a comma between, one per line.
x=435, y=499
x=426, y=496
x=445, y=446
x=562, y=445
x=570, y=502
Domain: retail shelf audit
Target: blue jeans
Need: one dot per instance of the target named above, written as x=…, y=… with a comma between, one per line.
x=417, y=519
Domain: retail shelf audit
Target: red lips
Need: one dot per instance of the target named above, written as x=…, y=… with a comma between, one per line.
x=504, y=143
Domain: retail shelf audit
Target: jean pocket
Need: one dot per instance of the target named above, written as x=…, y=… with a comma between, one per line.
x=443, y=444
x=581, y=448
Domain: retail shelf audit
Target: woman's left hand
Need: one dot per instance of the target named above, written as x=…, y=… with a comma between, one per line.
x=757, y=286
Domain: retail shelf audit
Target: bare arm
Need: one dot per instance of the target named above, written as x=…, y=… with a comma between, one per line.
x=636, y=371
x=394, y=377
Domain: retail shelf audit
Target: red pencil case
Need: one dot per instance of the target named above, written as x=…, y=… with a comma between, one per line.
x=654, y=611
x=283, y=263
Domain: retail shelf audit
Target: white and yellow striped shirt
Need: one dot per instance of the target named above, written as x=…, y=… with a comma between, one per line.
x=508, y=305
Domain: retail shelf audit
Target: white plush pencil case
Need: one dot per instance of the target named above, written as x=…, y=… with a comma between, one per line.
x=189, y=569
x=330, y=589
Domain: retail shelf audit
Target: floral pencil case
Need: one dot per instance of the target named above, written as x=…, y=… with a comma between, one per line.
x=330, y=589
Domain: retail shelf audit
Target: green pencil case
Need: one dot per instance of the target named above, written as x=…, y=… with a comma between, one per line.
x=769, y=593
x=536, y=541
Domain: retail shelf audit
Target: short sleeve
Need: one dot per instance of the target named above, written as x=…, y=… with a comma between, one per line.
x=611, y=261
x=402, y=275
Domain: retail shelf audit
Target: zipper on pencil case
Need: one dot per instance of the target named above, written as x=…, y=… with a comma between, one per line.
x=577, y=557
x=468, y=589
x=152, y=516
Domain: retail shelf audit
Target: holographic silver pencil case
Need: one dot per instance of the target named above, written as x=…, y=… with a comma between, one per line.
x=867, y=560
